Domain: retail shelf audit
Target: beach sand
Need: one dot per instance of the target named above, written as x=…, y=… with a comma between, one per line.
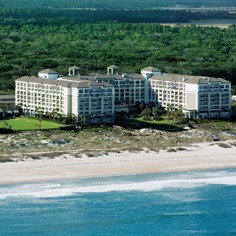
x=195, y=157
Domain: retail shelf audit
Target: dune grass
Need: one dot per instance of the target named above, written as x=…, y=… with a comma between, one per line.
x=26, y=123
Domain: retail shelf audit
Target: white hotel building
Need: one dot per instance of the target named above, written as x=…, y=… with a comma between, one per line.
x=197, y=96
x=66, y=95
x=101, y=95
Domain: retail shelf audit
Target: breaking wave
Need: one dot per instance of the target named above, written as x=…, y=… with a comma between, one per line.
x=47, y=190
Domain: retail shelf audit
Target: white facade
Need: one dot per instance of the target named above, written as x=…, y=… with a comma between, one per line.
x=214, y=99
x=197, y=96
x=129, y=89
x=33, y=96
x=101, y=95
x=40, y=95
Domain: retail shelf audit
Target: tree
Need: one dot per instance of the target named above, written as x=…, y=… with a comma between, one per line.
x=19, y=108
x=142, y=106
x=55, y=113
x=91, y=118
x=43, y=37
x=72, y=118
x=39, y=113
x=146, y=113
x=157, y=112
x=178, y=114
x=82, y=119
x=170, y=111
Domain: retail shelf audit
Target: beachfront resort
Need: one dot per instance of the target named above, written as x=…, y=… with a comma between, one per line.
x=99, y=96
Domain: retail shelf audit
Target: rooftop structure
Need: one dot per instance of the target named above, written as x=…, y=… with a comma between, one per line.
x=74, y=70
x=112, y=70
x=48, y=74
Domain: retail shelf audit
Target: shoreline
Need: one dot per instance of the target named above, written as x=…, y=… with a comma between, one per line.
x=198, y=156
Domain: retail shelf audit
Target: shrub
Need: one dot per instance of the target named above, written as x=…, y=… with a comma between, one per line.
x=6, y=131
x=68, y=128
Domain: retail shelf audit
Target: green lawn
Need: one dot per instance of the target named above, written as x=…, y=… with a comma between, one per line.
x=25, y=123
x=162, y=124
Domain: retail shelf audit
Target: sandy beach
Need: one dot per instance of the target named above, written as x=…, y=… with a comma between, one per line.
x=195, y=157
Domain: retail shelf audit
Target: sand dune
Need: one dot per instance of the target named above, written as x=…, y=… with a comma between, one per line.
x=199, y=156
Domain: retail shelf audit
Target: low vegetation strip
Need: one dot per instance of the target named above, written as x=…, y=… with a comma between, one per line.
x=93, y=141
x=25, y=123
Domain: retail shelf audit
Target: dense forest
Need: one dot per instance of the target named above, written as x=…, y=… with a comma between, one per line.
x=34, y=39
x=73, y=16
x=113, y=4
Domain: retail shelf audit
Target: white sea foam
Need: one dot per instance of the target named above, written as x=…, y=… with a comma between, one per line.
x=59, y=190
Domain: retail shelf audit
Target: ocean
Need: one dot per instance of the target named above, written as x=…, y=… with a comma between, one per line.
x=183, y=203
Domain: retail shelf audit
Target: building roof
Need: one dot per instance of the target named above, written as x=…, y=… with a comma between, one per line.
x=74, y=68
x=71, y=78
x=119, y=77
x=64, y=83
x=104, y=84
x=40, y=80
x=82, y=84
x=151, y=69
x=134, y=76
x=189, y=79
x=88, y=77
x=113, y=67
x=48, y=71
x=88, y=84
x=107, y=76
x=27, y=78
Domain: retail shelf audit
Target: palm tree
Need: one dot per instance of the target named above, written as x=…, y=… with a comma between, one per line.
x=72, y=118
x=59, y=117
x=157, y=111
x=91, y=117
x=104, y=117
x=26, y=110
x=178, y=114
x=146, y=113
x=82, y=119
x=142, y=106
x=19, y=108
x=170, y=111
x=39, y=113
x=55, y=113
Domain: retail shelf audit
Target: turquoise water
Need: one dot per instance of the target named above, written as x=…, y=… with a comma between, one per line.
x=190, y=203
